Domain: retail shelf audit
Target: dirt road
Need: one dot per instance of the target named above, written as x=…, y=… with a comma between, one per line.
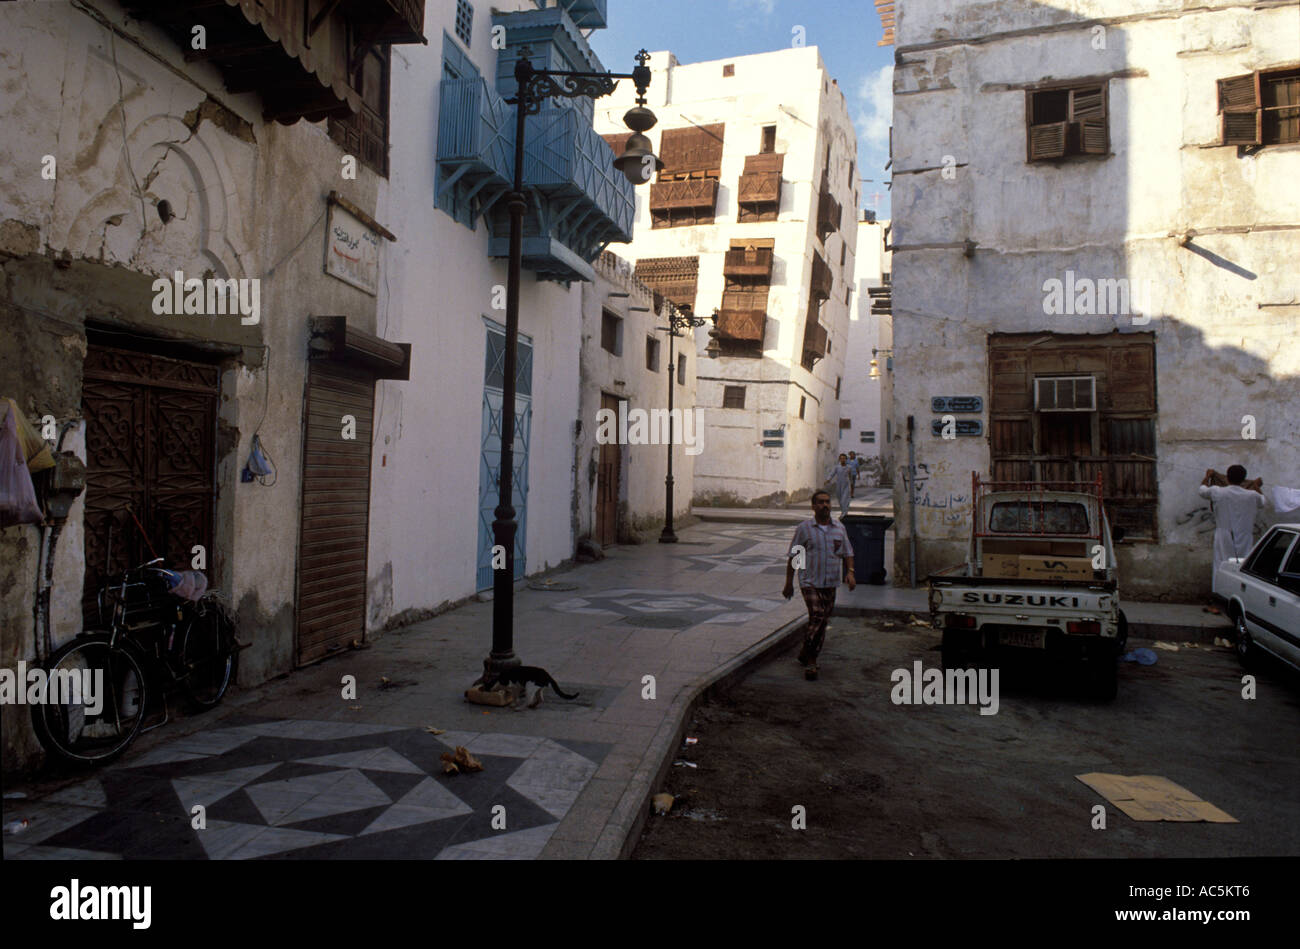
x=894, y=781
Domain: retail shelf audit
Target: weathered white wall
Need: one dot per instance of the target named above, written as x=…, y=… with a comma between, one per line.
x=249, y=200
x=860, y=395
x=643, y=466
x=791, y=90
x=1225, y=309
x=424, y=490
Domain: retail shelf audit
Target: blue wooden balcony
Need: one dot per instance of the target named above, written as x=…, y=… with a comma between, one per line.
x=582, y=202
x=579, y=202
x=476, y=148
x=588, y=14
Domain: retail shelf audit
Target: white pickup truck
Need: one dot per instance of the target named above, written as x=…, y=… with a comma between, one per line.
x=1039, y=577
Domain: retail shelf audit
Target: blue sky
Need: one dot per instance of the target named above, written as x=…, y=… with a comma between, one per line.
x=844, y=31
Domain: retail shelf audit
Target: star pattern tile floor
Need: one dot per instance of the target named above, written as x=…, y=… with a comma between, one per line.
x=697, y=608
x=298, y=789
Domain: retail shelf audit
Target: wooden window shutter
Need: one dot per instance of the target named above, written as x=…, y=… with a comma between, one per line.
x=692, y=149
x=1047, y=141
x=1240, y=107
x=1088, y=110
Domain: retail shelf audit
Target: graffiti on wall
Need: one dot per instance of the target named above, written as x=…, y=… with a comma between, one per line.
x=935, y=507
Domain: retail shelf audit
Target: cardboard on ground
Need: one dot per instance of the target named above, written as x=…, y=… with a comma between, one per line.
x=1151, y=797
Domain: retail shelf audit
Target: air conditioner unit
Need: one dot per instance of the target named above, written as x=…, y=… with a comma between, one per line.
x=1065, y=394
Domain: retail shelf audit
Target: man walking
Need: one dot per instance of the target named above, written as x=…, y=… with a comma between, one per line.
x=821, y=544
x=1234, y=512
x=854, y=462
x=843, y=487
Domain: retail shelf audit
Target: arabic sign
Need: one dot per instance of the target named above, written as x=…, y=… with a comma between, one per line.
x=773, y=443
x=352, y=250
x=962, y=426
x=956, y=403
x=774, y=433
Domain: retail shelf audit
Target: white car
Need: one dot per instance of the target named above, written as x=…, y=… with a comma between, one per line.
x=1262, y=592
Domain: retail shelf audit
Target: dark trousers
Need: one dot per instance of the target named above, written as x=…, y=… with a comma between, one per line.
x=820, y=601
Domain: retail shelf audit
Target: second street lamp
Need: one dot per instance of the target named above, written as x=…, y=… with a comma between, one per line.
x=638, y=163
x=677, y=320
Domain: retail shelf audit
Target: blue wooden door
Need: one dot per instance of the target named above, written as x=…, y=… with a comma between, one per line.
x=490, y=450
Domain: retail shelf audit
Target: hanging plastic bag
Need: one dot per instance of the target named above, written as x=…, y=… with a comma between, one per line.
x=17, y=495
x=38, y=454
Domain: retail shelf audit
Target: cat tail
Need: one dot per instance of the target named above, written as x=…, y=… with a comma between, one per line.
x=560, y=692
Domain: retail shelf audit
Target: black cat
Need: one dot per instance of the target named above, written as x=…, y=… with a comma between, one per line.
x=522, y=676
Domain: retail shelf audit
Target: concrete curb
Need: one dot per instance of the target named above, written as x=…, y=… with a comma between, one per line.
x=626, y=823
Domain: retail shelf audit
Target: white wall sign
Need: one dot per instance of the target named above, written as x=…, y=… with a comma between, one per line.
x=352, y=250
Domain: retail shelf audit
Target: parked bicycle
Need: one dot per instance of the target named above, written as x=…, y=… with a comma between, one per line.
x=162, y=633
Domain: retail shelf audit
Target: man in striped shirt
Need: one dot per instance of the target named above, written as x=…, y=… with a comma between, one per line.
x=819, y=544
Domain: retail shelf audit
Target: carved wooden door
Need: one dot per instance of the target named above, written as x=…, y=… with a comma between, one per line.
x=150, y=457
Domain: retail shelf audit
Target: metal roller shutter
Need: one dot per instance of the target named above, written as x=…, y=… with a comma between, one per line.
x=335, y=518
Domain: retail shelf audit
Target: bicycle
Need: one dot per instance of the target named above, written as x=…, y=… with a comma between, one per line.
x=153, y=636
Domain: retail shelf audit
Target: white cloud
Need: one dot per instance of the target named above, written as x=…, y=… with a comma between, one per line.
x=876, y=107
x=765, y=7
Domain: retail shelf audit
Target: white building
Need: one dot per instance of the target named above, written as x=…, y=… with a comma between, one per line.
x=753, y=216
x=626, y=368
x=436, y=489
x=1095, y=235
x=863, y=411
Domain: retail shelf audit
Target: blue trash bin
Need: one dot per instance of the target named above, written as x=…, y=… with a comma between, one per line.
x=867, y=535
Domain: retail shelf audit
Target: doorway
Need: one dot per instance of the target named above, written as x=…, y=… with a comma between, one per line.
x=150, y=458
x=607, y=481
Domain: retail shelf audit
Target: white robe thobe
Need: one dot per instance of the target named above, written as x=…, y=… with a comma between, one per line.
x=843, y=486
x=1234, y=519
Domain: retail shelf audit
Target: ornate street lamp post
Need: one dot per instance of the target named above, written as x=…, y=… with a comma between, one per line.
x=638, y=163
x=678, y=320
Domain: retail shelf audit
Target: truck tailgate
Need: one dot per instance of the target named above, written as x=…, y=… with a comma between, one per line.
x=1011, y=598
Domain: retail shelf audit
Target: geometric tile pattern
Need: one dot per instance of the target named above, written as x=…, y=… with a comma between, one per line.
x=286, y=789
x=696, y=608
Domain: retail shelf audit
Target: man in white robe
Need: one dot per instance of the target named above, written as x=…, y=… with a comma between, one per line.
x=1235, y=506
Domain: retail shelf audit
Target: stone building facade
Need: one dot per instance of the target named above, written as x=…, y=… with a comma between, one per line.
x=1094, y=235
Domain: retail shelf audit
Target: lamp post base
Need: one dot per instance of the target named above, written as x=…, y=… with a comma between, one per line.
x=667, y=536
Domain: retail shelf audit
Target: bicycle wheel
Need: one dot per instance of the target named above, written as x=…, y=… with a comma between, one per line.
x=94, y=703
x=207, y=656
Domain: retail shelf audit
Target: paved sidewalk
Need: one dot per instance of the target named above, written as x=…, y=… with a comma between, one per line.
x=291, y=769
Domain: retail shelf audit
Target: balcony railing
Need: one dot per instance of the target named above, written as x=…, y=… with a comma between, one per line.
x=566, y=160
x=741, y=325
x=822, y=279
x=748, y=262
x=387, y=21
x=581, y=202
x=760, y=188
x=693, y=193
x=814, y=338
x=587, y=14
x=761, y=182
x=764, y=163
x=828, y=215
